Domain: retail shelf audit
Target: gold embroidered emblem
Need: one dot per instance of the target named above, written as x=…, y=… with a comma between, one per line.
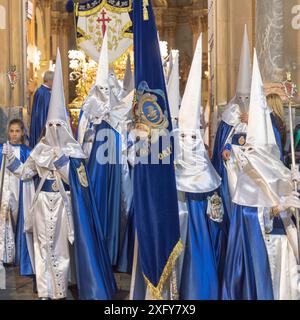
x=215, y=209
x=149, y=116
x=242, y=141
x=54, y=186
x=82, y=176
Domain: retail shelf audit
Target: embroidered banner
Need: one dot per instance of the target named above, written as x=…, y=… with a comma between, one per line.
x=95, y=17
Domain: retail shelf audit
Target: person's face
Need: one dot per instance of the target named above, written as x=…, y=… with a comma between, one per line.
x=49, y=83
x=15, y=134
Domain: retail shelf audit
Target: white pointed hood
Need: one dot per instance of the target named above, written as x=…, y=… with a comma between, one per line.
x=99, y=93
x=244, y=76
x=58, y=137
x=103, y=64
x=113, y=99
x=114, y=83
x=171, y=62
x=194, y=171
x=128, y=82
x=98, y=96
x=263, y=178
x=260, y=130
x=240, y=101
x=57, y=109
x=174, y=90
x=190, y=110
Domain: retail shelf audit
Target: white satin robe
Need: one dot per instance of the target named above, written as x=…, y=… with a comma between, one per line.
x=9, y=213
x=52, y=226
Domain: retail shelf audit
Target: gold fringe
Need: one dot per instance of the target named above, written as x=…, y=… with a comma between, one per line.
x=127, y=34
x=156, y=292
x=104, y=4
x=83, y=34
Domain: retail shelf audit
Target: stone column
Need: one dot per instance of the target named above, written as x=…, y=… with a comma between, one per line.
x=169, y=24
x=240, y=12
x=196, y=27
x=269, y=39
x=12, y=51
x=158, y=12
x=4, y=61
x=184, y=42
x=230, y=19
x=55, y=32
x=67, y=28
x=221, y=51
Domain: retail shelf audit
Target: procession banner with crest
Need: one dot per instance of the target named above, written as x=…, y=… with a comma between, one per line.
x=154, y=185
x=95, y=17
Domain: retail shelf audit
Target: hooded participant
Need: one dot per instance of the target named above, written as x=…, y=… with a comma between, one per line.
x=64, y=211
x=173, y=90
x=260, y=261
x=233, y=127
x=109, y=170
x=198, y=183
x=97, y=101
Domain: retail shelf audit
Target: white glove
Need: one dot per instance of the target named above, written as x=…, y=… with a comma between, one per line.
x=58, y=152
x=291, y=201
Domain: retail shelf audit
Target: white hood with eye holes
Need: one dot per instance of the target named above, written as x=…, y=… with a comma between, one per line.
x=58, y=138
x=194, y=171
x=235, y=107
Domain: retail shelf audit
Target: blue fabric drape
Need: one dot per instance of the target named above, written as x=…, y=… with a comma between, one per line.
x=217, y=161
x=154, y=185
x=106, y=185
x=22, y=257
x=39, y=114
x=127, y=249
x=247, y=274
x=95, y=279
x=199, y=280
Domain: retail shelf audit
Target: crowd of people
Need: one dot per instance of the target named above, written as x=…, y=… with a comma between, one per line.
x=67, y=210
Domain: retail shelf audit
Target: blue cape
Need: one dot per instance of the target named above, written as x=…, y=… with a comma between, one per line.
x=39, y=114
x=106, y=186
x=95, y=279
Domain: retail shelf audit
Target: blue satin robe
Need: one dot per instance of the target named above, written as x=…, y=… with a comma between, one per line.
x=233, y=244
x=106, y=182
x=22, y=258
x=199, y=279
x=247, y=274
x=127, y=249
x=217, y=161
x=95, y=278
x=39, y=114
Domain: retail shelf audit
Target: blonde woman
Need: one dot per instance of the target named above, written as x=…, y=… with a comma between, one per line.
x=275, y=103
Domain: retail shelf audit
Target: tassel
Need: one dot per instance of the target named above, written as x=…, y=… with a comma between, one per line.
x=145, y=10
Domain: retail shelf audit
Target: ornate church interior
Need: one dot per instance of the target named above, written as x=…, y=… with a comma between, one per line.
x=31, y=31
